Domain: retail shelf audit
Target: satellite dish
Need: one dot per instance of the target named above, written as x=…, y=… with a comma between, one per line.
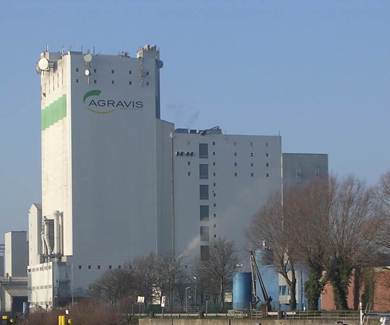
x=87, y=72
x=88, y=58
x=43, y=64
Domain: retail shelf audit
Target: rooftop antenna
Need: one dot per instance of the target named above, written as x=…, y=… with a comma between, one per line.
x=93, y=50
x=47, y=48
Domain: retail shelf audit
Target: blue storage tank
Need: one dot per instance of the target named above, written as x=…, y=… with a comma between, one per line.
x=242, y=287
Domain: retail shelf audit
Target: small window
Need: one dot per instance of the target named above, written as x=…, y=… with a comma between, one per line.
x=130, y=83
x=252, y=154
x=267, y=165
x=119, y=266
x=215, y=236
x=214, y=184
x=215, y=226
x=147, y=73
x=189, y=174
x=251, y=144
x=317, y=171
x=94, y=81
x=251, y=164
x=98, y=267
x=252, y=174
x=147, y=83
x=214, y=174
x=204, y=192
x=80, y=267
x=235, y=164
x=235, y=154
x=235, y=174
x=112, y=81
x=204, y=233
x=77, y=81
x=204, y=253
x=129, y=71
x=266, y=144
x=188, y=163
x=77, y=69
x=203, y=150
x=89, y=267
x=94, y=70
x=204, y=212
x=214, y=205
x=110, y=267
x=213, y=143
x=203, y=171
x=267, y=175
x=214, y=163
x=112, y=71
x=267, y=154
x=214, y=214
x=213, y=153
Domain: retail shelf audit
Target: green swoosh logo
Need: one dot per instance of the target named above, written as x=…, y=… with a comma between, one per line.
x=91, y=93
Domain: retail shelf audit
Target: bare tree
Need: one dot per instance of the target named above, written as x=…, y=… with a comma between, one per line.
x=383, y=210
x=352, y=234
x=217, y=270
x=114, y=285
x=307, y=209
x=271, y=226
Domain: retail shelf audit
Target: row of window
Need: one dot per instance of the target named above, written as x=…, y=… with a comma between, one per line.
x=214, y=163
x=235, y=143
x=146, y=73
x=235, y=175
x=113, y=82
x=98, y=267
x=41, y=268
x=41, y=287
x=204, y=152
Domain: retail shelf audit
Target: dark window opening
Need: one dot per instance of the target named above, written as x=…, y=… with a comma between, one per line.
x=203, y=150
x=204, y=192
x=204, y=212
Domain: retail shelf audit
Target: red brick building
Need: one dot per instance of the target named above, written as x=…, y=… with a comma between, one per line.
x=372, y=287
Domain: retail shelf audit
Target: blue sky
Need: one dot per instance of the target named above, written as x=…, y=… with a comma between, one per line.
x=315, y=71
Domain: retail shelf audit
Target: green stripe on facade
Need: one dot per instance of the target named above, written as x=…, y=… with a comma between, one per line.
x=53, y=113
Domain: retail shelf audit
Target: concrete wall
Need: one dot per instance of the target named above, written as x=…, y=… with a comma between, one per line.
x=15, y=254
x=155, y=321
x=301, y=168
x=40, y=282
x=107, y=168
x=243, y=171
x=1, y=265
x=34, y=234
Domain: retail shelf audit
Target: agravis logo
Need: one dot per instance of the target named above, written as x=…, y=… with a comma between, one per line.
x=100, y=105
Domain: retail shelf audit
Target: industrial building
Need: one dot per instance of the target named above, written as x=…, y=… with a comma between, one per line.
x=119, y=182
x=13, y=277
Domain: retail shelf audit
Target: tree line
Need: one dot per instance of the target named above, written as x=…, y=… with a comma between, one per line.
x=332, y=227
x=153, y=277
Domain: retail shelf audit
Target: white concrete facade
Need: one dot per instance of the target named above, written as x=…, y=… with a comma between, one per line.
x=15, y=254
x=106, y=167
x=118, y=182
x=240, y=173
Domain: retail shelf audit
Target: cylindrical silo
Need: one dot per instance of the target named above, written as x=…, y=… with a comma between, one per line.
x=242, y=288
